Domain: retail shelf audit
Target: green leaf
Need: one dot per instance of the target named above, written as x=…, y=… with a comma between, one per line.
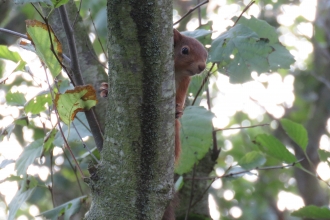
x=81, y=125
x=15, y=99
x=324, y=156
x=5, y=53
x=196, y=137
x=312, y=211
x=251, y=45
x=48, y=140
x=81, y=98
x=196, y=83
x=202, y=34
x=66, y=209
x=23, y=121
x=240, y=51
x=236, y=172
x=197, y=34
x=38, y=33
x=296, y=132
x=178, y=184
x=252, y=160
x=13, y=178
x=260, y=27
x=38, y=103
x=7, y=131
x=274, y=148
x=32, y=182
x=58, y=3
x=5, y=162
x=27, y=181
x=280, y=58
x=17, y=201
x=20, y=197
x=29, y=154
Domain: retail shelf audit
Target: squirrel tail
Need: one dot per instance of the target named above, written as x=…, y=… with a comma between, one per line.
x=177, y=140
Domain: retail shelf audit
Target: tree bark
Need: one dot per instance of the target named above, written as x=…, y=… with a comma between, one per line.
x=194, y=194
x=309, y=187
x=134, y=179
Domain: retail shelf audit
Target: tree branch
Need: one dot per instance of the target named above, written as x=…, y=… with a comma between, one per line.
x=77, y=76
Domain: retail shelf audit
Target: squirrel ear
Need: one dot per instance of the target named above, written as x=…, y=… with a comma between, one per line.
x=176, y=36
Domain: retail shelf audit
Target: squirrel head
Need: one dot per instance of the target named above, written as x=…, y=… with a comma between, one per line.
x=189, y=55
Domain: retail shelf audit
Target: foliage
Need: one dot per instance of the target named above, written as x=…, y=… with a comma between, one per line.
x=313, y=212
x=66, y=209
x=251, y=45
x=296, y=132
x=40, y=36
x=30, y=153
x=196, y=129
x=82, y=98
x=274, y=148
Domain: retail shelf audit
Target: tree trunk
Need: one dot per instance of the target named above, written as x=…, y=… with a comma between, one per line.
x=309, y=187
x=134, y=179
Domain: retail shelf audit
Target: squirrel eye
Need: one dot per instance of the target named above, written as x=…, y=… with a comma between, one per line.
x=185, y=50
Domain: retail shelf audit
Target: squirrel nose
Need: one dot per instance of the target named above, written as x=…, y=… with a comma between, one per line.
x=201, y=67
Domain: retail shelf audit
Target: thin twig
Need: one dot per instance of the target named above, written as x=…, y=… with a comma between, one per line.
x=72, y=46
x=203, y=83
x=95, y=57
x=97, y=36
x=3, y=80
x=246, y=171
x=78, y=181
x=207, y=188
x=56, y=111
x=85, y=146
x=252, y=126
x=66, y=58
x=52, y=48
x=40, y=14
x=52, y=178
x=191, y=192
x=191, y=10
x=73, y=168
x=86, y=126
x=215, y=150
x=204, y=192
x=245, y=9
x=199, y=14
x=60, y=127
x=321, y=79
x=78, y=12
x=90, y=114
x=13, y=33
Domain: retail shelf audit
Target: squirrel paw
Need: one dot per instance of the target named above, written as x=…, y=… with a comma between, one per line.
x=104, y=89
x=178, y=111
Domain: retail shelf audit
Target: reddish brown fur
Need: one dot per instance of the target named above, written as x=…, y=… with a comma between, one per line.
x=177, y=140
x=186, y=65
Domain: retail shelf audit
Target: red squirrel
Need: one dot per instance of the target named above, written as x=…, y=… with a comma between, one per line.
x=189, y=59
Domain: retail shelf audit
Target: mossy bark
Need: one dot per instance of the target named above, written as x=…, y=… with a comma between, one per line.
x=135, y=177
